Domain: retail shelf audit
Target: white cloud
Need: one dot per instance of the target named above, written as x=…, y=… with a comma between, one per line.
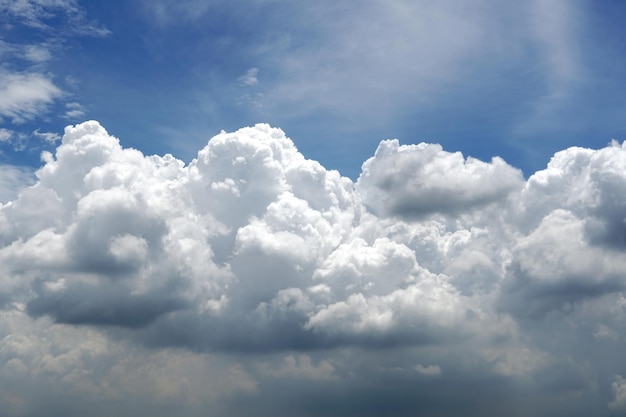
x=49, y=137
x=115, y=263
x=37, y=53
x=557, y=28
x=37, y=13
x=384, y=59
x=74, y=111
x=27, y=87
x=5, y=135
x=372, y=58
x=23, y=96
x=417, y=180
x=250, y=77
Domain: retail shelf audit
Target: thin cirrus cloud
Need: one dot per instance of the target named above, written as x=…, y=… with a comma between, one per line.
x=261, y=268
x=387, y=59
x=384, y=57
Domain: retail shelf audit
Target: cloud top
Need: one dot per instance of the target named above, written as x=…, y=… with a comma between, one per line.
x=417, y=180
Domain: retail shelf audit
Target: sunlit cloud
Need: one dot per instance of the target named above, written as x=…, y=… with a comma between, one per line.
x=253, y=249
x=401, y=255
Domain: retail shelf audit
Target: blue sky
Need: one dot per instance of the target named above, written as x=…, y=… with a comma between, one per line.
x=515, y=80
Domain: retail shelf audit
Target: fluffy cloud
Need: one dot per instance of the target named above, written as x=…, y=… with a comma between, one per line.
x=417, y=180
x=262, y=268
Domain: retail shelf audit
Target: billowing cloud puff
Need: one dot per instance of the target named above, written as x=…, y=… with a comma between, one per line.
x=299, y=280
x=573, y=215
x=417, y=180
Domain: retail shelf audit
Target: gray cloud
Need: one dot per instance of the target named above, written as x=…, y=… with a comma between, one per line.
x=430, y=284
x=417, y=180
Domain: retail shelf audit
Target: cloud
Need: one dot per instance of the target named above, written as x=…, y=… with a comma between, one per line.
x=49, y=137
x=28, y=90
x=417, y=180
x=619, y=390
x=393, y=59
x=12, y=180
x=360, y=59
x=428, y=370
x=556, y=29
x=556, y=266
x=38, y=14
x=434, y=281
x=18, y=140
x=74, y=111
x=26, y=95
x=397, y=59
x=250, y=77
x=165, y=13
x=5, y=135
x=37, y=53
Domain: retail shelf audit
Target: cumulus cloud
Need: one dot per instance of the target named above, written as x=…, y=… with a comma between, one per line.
x=417, y=180
x=430, y=274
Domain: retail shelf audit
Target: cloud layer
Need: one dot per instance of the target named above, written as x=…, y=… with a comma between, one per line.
x=257, y=267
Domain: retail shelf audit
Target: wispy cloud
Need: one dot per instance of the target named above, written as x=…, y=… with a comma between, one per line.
x=250, y=78
x=28, y=90
x=5, y=134
x=49, y=137
x=24, y=96
x=37, y=53
x=383, y=60
x=556, y=27
x=166, y=13
x=74, y=111
x=38, y=14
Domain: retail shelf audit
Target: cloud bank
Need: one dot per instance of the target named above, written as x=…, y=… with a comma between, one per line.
x=434, y=284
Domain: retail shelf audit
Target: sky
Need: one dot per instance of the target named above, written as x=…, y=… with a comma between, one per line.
x=275, y=208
